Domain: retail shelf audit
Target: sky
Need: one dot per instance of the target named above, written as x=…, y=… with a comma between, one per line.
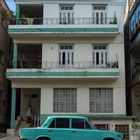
x=12, y=6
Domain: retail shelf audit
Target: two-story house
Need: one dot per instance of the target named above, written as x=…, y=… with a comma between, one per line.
x=68, y=58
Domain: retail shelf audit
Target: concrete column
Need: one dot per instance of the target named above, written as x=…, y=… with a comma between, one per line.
x=17, y=13
x=13, y=108
x=15, y=52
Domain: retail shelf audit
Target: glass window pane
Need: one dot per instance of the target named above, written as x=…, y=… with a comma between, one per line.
x=65, y=100
x=78, y=123
x=101, y=100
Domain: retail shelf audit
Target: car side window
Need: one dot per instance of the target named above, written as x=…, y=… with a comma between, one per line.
x=80, y=124
x=60, y=123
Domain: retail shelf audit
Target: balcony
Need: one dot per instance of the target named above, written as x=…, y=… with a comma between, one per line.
x=56, y=27
x=53, y=70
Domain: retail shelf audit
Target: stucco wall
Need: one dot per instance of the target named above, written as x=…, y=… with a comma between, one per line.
x=82, y=98
x=85, y=10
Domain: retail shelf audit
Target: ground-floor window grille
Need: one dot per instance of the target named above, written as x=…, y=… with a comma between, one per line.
x=65, y=100
x=123, y=129
x=101, y=100
x=102, y=126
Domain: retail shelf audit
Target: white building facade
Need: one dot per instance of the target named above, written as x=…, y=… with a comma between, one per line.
x=68, y=58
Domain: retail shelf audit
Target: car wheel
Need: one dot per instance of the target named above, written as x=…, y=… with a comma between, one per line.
x=43, y=138
x=109, y=139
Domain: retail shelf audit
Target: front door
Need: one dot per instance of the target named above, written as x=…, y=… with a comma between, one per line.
x=35, y=103
x=99, y=56
x=30, y=97
x=66, y=14
x=99, y=14
x=66, y=55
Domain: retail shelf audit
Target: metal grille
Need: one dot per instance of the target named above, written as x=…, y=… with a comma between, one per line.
x=65, y=100
x=101, y=100
x=123, y=129
x=101, y=126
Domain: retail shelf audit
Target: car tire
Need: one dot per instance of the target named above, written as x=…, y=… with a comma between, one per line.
x=43, y=138
x=109, y=139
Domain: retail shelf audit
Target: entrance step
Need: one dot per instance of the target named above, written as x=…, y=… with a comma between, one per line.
x=22, y=124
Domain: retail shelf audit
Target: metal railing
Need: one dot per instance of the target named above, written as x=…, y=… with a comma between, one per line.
x=70, y=65
x=64, y=21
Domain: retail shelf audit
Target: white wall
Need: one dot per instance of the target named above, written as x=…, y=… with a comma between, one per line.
x=83, y=9
x=49, y=53
x=82, y=99
x=51, y=11
x=46, y=100
x=83, y=52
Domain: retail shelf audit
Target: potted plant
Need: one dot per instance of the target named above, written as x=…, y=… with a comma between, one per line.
x=23, y=19
x=114, y=64
x=115, y=19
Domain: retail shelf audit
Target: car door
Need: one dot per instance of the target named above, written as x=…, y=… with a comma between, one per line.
x=81, y=130
x=59, y=129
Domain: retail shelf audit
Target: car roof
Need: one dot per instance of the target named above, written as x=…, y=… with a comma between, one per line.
x=67, y=116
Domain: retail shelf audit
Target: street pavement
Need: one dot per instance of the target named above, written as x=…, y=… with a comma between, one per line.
x=9, y=138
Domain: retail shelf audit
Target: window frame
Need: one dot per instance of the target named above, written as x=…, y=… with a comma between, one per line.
x=68, y=49
x=56, y=119
x=134, y=22
x=85, y=123
x=109, y=103
x=97, y=9
x=71, y=93
x=100, y=49
x=66, y=13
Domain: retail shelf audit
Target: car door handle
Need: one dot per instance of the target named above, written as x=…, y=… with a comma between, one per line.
x=73, y=131
x=50, y=130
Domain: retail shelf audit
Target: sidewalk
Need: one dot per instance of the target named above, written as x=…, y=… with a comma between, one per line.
x=9, y=138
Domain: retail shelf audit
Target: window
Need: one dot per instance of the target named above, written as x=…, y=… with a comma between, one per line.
x=101, y=100
x=133, y=25
x=99, y=14
x=100, y=55
x=66, y=14
x=1, y=57
x=102, y=126
x=135, y=21
x=0, y=101
x=66, y=55
x=60, y=123
x=80, y=124
x=65, y=100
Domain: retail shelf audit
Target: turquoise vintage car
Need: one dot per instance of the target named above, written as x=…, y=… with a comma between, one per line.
x=67, y=128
